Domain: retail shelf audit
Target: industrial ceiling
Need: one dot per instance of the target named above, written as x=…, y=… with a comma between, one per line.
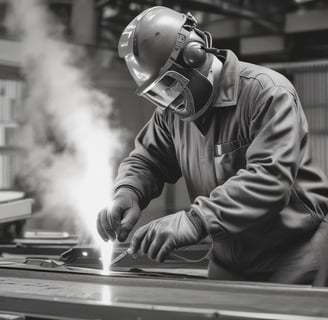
x=256, y=29
x=261, y=30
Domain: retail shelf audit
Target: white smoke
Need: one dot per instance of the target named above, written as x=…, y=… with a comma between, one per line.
x=70, y=145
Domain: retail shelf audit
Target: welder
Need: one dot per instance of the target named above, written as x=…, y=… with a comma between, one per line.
x=238, y=135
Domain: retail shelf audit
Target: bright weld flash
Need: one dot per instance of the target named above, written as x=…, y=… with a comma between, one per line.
x=106, y=249
x=79, y=180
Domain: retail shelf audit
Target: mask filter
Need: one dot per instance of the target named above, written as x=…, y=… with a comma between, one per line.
x=194, y=55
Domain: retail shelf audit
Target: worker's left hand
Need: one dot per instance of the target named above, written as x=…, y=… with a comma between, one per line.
x=159, y=237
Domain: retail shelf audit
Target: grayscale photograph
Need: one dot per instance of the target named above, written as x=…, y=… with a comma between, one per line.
x=163, y=159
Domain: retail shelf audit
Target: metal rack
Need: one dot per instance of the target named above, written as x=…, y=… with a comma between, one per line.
x=10, y=97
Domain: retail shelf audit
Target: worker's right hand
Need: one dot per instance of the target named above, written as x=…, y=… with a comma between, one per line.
x=118, y=220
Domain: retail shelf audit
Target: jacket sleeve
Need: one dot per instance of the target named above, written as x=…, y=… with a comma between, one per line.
x=152, y=163
x=277, y=128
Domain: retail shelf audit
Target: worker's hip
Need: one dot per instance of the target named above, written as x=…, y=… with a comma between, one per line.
x=303, y=262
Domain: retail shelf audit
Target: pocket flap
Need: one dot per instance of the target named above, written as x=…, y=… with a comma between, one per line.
x=228, y=147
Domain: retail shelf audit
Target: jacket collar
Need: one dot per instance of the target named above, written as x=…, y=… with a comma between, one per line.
x=228, y=83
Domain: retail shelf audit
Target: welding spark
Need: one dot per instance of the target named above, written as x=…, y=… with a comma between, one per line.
x=106, y=249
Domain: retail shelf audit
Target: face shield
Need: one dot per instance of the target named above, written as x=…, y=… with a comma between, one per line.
x=166, y=89
x=184, y=90
x=154, y=46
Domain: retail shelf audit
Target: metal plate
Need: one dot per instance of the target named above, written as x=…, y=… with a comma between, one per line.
x=90, y=297
x=7, y=195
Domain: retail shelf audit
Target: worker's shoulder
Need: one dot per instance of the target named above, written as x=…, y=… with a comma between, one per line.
x=264, y=77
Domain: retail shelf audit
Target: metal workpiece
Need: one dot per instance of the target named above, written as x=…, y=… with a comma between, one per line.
x=90, y=257
x=66, y=287
x=77, y=296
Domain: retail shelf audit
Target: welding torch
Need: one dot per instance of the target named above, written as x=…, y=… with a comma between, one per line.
x=128, y=252
x=121, y=256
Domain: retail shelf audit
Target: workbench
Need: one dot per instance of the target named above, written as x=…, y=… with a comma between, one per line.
x=48, y=293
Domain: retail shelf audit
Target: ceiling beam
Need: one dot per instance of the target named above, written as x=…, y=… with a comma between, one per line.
x=206, y=6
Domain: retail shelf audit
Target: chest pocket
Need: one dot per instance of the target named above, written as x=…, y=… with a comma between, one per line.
x=229, y=158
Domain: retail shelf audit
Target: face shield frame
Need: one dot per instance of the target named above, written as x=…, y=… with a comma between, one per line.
x=174, y=79
x=164, y=90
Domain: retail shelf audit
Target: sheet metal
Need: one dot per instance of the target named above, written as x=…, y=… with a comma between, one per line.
x=51, y=288
x=101, y=297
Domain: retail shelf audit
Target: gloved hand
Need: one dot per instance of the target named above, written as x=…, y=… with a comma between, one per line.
x=118, y=220
x=159, y=237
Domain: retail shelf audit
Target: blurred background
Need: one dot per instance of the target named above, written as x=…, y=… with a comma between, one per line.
x=290, y=36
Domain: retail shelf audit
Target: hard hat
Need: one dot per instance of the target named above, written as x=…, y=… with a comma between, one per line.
x=164, y=52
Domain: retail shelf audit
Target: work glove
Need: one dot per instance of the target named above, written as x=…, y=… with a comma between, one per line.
x=161, y=236
x=118, y=220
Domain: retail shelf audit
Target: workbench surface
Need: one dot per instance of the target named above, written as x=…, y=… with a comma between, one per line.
x=129, y=295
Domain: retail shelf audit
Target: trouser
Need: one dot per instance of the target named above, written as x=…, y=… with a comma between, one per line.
x=305, y=264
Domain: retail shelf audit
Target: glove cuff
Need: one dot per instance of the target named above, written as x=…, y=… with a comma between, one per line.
x=127, y=192
x=197, y=223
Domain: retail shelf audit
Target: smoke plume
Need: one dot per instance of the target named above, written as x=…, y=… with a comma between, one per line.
x=70, y=143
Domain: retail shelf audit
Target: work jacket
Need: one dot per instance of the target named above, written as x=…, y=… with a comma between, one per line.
x=246, y=163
